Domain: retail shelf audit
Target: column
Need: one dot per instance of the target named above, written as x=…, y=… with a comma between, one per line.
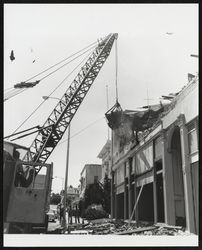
x=135, y=194
x=188, y=192
x=129, y=188
x=115, y=204
x=155, y=195
x=168, y=180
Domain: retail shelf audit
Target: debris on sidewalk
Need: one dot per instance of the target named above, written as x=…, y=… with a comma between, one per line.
x=120, y=227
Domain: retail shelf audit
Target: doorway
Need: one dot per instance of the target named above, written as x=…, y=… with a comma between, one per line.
x=120, y=206
x=180, y=218
x=160, y=198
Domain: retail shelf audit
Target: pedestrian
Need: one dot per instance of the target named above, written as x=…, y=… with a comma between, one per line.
x=77, y=213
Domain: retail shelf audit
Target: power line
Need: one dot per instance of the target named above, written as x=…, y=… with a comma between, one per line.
x=89, y=125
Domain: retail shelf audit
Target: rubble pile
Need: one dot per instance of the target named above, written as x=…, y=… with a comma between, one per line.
x=95, y=212
x=107, y=226
x=163, y=231
x=119, y=227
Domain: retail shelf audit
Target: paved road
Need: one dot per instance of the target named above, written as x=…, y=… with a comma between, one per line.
x=53, y=225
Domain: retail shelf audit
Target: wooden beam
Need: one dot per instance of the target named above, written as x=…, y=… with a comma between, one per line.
x=136, y=204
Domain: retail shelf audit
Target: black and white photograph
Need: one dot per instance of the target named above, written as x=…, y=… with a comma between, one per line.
x=100, y=124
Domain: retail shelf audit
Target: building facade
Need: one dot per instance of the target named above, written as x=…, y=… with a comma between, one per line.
x=90, y=174
x=105, y=156
x=157, y=179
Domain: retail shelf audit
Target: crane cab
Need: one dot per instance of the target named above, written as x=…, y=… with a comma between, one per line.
x=25, y=192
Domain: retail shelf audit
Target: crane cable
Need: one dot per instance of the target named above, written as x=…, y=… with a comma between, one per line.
x=50, y=95
x=21, y=132
x=17, y=91
x=13, y=92
x=61, y=61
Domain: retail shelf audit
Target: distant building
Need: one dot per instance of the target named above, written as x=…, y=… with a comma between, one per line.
x=90, y=174
x=72, y=191
x=162, y=164
x=105, y=155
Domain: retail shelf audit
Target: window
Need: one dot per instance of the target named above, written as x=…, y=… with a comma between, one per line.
x=120, y=175
x=144, y=159
x=40, y=179
x=24, y=175
x=192, y=137
x=158, y=148
x=127, y=169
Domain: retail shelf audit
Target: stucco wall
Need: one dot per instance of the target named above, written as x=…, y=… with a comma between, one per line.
x=187, y=105
x=91, y=171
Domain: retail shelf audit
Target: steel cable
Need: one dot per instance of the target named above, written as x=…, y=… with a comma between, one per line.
x=50, y=94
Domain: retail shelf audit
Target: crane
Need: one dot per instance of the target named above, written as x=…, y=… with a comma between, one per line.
x=61, y=116
x=25, y=204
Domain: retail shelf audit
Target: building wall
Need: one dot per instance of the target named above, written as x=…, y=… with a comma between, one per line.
x=105, y=156
x=91, y=172
x=88, y=175
x=151, y=163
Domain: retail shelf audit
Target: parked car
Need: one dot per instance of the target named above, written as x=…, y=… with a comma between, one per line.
x=51, y=215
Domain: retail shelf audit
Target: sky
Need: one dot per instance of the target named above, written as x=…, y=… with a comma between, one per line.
x=148, y=60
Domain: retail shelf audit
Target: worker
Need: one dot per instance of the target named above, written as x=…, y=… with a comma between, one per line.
x=58, y=212
x=61, y=213
x=70, y=214
x=77, y=214
x=20, y=179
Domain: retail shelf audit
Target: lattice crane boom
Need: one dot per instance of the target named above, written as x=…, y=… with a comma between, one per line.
x=61, y=116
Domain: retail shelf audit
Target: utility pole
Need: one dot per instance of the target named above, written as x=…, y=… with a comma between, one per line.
x=65, y=188
x=107, y=109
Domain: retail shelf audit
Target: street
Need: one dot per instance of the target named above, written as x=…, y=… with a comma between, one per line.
x=52, y=226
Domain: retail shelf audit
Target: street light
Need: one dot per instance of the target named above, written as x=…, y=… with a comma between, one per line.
x=48, y=97
x=66, y=172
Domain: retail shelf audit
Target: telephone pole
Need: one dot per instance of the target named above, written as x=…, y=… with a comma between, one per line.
x=65, y=188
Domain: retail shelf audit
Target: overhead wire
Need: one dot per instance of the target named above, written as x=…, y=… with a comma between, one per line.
x=50, y=94
x=89, y=125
